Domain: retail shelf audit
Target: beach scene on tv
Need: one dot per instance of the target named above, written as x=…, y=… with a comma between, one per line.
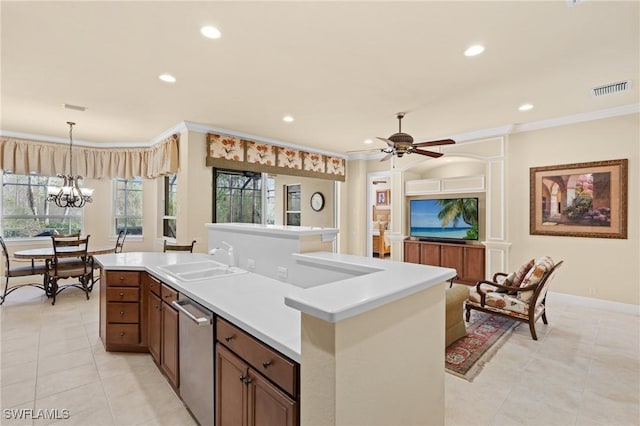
x=445, y=218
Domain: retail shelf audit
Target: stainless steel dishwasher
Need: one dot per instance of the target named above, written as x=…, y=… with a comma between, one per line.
x=196, y=359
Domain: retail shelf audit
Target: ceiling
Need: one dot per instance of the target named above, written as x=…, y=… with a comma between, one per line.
x=341, y=69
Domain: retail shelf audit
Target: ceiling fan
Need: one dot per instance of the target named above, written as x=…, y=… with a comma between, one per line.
x=400, y=144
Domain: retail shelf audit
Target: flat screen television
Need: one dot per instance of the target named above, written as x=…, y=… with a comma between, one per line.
x=444, y=219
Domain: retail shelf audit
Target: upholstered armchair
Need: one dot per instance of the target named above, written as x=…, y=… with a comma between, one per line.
x=520, y=295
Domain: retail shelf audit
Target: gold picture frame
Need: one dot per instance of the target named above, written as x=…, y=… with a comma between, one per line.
x=579, y=200
x=382, y=197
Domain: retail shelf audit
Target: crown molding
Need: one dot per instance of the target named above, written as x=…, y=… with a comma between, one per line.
x=76, y=142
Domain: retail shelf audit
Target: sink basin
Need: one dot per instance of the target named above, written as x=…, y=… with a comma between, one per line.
x=202, y=270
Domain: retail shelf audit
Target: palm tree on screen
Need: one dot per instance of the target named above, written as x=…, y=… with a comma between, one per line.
x=454, y=210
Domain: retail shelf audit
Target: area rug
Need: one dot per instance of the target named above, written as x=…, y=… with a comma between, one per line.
x=485, y=334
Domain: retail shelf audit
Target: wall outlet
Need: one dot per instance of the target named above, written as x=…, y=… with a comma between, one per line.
x=282, y=272
x=251, y=264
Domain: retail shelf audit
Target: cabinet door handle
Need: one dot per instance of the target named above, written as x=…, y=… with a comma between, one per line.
x=228, y=338
x=246, y=381
x=243, y=378
x=266, y=364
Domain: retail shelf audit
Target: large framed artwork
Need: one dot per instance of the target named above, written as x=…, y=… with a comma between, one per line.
x=579, y=200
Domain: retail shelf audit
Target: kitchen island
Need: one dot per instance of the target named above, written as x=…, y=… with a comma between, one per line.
x=368, y=334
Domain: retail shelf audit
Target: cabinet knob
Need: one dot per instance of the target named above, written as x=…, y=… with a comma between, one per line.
x=121, y=313
x=121, y=294
x=157, y=307
x=121, y=333
x=266, y=364
x=243, y=378
x=121, y=278
x=228, y=338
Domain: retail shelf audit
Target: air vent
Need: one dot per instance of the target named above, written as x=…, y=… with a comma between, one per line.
x=74, y=107
x=608, y=89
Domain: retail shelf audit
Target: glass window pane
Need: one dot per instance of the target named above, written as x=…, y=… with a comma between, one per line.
x=127, y=205
x=26, y=211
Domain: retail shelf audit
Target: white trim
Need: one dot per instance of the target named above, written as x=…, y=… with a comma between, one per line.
x=205, y=128
x=577, y=118
x=607, y=305
x=76, y=142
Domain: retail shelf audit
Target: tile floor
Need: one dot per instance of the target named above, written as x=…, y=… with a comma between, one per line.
x=584, y=370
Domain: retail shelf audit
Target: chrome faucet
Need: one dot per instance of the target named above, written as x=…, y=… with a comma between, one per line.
x=228, y=251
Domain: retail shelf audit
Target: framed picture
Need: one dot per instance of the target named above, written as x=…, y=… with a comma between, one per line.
x=579, y=200
x=382, y=197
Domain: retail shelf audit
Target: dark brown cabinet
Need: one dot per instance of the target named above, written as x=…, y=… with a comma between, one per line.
x=255, y=386
x=154, y=326
x=161, y=325
x=169, y=353
x=467, y=260
x=121, y=306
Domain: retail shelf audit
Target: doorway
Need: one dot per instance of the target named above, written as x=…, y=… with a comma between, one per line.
x=379, y=214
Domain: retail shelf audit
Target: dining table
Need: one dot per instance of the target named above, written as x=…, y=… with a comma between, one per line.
x=47, y=254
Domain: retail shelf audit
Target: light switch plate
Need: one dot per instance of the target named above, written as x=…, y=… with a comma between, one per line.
x=282, y=272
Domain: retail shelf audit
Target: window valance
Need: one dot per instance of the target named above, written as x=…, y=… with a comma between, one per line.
x=239, y=154
x=23, y=156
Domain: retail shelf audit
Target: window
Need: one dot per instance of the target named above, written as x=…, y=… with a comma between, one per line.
x=292, y=206
x=127, y=205
x=169, y=217
x=270, y=202
x=27, y=213
x=238, y=196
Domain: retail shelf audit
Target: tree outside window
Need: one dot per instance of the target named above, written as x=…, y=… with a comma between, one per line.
x=26, y=212
x=128, y=205
x=170, y=207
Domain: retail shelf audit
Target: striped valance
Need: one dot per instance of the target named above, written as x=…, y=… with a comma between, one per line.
x=23, y=156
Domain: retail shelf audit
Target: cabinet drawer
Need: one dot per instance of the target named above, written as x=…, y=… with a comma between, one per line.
x=168, y=294
x=262, y=358
x=154, y=285
x=123, y=279
x=122, y=294
x=123, y=334
x=123, y=312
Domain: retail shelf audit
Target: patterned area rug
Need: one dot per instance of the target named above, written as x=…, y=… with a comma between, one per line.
x=485, y=334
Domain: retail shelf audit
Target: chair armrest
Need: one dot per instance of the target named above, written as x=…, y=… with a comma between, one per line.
x=483, y=294
x=499, y=274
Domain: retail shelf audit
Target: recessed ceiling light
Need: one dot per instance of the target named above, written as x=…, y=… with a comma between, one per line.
x=525, y=107
x=474, y=50
x=368, y=141
x=287, y=119
x=210, y=32
x=167, y=78
x=74, y=107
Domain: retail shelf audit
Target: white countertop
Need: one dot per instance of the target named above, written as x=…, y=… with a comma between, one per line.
x=270, y=309
x=282, y=230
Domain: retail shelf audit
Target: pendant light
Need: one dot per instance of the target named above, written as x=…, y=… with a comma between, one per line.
x=69, y=194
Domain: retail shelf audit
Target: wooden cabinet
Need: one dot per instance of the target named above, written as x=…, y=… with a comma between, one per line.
x=169, y=353
x=121, y=305
x=255, y=385
x=467, y=260
x=161, y=323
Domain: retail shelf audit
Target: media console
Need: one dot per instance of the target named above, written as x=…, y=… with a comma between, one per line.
x=467, y=259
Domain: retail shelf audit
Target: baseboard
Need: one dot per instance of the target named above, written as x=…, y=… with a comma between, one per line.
x=606, y=305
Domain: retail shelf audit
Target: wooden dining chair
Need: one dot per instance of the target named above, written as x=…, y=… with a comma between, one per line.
x=179, y=247
x=20, y=271
x=70, y=260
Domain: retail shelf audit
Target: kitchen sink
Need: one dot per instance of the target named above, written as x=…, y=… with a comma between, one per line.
x=195, y=271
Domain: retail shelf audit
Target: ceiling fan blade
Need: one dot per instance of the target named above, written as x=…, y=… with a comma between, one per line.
x=386, y=157
x=390, y=143
x=436, y=143
x=427, y=153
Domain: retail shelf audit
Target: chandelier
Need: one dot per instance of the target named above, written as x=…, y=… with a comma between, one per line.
x=69, y=194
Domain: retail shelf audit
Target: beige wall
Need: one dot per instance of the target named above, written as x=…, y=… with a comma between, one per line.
x=599, y=268
x=308, y=217
x=594, y=267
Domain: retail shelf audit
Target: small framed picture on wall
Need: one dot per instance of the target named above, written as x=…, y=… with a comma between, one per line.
x=382, y=198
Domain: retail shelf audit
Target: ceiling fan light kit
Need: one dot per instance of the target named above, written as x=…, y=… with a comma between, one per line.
x=401, y=143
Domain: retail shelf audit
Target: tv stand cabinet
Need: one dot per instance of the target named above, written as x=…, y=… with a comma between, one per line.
x=467, y=259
